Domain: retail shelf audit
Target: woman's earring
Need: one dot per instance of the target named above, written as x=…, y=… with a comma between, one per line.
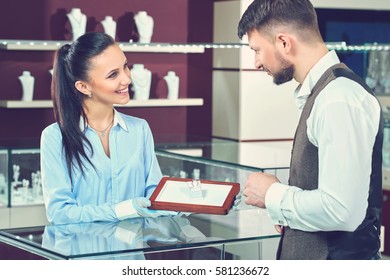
x=90, y=95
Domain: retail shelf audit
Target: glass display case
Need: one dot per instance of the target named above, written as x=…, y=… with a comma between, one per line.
x=25, y=186
x=20, y=177
x=244, y=234
x=266, y=156
x=3, y=177
x=220, y=160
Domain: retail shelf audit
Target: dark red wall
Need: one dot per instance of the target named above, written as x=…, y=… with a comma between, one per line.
x=176, y=21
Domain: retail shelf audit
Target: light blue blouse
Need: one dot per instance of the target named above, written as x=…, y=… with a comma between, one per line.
x=131, y=171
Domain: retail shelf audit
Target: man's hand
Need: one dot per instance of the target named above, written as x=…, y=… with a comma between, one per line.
x=256, y=187
x=279, y=228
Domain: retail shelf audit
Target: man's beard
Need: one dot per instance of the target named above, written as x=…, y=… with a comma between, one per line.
x=285, y=75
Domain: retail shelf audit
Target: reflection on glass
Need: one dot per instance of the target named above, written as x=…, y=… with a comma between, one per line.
x=378, y=71
x=133, y=235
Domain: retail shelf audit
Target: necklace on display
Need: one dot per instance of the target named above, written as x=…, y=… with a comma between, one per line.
x=145, y=21
x=141, y=80
x=102, y=132
x=144, y=18
x=77, y=15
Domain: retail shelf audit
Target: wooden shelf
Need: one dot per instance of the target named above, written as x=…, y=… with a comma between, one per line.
x=161, y=48
x=17, y=104
x=40, y=45
x=164, y=102
x=352, y=4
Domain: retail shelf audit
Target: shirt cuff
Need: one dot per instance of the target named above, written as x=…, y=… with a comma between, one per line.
x=273, y=200
x=125, y=210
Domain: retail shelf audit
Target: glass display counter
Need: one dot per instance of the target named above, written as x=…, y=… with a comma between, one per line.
x=244, y=234
x=20, y=177
x=220, y=160
x=3, y=178
x=267, y=156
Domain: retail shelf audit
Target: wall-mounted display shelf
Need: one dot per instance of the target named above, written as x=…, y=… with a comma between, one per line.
x=337, y=46
x=17, y=104
x=41, y=45
x=352, y=4
x=162, y=48
x=342, y=46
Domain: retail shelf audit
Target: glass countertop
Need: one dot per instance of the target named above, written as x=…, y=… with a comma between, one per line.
x=137, y=238
x=261, y=155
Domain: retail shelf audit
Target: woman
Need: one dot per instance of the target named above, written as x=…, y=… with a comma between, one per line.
x=97, y=164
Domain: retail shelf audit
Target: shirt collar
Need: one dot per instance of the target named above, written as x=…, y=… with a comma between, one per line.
x=118, y=120
x=303, y=90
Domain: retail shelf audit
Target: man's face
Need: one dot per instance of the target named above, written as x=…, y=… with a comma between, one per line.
x=269, y=59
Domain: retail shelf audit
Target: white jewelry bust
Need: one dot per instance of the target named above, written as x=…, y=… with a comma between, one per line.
x=78, y=21
x=109, y=26
x=141, y=81
x=172, y=81
x=145, y=25
x=27, y=82
x=16, y=173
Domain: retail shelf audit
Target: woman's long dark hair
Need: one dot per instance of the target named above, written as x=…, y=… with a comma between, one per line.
x=72, y=63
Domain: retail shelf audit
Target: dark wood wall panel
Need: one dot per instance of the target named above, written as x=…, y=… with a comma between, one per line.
x=175, y=21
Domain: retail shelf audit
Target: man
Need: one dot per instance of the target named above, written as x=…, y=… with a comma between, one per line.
x=331, y=207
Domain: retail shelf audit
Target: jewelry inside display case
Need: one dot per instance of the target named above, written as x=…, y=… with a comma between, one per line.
x=20, y=177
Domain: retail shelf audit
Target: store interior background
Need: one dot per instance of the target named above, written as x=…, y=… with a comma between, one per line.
x=188, y=21
x=223, y=114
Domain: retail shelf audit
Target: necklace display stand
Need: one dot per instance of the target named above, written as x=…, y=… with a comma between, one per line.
x=145, y=24
x=16, y=173
x=172, y=81
x=27, y=82
x=141, y=81
x=15, y=183
x=78, y=21
x=109, y=26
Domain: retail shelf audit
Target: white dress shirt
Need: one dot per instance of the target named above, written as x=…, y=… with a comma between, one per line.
x=343, y=125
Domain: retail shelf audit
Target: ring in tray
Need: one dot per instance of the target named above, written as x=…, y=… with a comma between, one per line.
x=196, y=196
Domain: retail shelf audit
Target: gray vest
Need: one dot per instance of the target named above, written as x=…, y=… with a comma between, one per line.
x=364, y=242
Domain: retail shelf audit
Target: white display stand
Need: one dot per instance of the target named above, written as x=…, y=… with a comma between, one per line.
x=109, y=26
x=27, y=82
x=141, y=81
x=78, y=22
x=145, y=25
x=172, y=81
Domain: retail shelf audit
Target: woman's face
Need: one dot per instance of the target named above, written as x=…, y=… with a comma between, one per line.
x=109, y=77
